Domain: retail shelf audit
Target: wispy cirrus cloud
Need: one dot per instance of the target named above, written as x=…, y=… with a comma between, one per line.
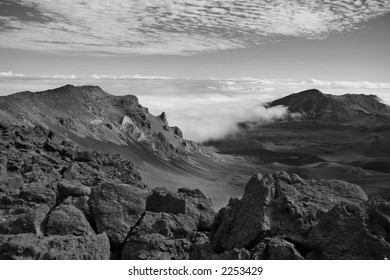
x=174, y=26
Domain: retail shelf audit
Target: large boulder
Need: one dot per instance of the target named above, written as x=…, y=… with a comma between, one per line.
x=199, y=207
x=162, y=200
x=116, y=208
x=191, y=203
x=278, y=204
x=155, y=246
x=25, y=212
x=38, y=194
x=160, y=236
x=345, y=233
x=169, y=227
x=67, y=220
x=81, y=203
x=30, y=247
x=29, y=221
x=72, y=188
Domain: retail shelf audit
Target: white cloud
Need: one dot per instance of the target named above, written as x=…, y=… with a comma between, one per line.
x=209, y=116
x=10, y=74
x=179, y=26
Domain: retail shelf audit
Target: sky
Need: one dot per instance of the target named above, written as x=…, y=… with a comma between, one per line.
x=186, y=56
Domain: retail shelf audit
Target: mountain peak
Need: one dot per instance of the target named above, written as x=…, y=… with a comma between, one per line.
x=315, y=105
x=312, y=91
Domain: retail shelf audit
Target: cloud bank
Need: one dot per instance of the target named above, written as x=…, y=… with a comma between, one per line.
x=212, y=116
x=174, y=26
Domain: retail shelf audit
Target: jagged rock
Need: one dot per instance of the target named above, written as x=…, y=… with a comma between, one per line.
x=155, y=247
x=30, y=247
x=80, y=203
x=29, y=222
x=166, y=224
x=67, y=220
x=164, y=120
x=38, y=194
x=168, y=230
x=379, y=216
x=199, y=207
x=177, y=131
x=160, y=236
x=72, y=188
x=344, y=233
x=193, y=203
x=116, y=208
x=162, y=200
x=275, y=248
x=278, y=204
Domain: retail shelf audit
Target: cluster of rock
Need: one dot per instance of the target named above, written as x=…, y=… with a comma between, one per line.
x=61, y=201
x=284, y=217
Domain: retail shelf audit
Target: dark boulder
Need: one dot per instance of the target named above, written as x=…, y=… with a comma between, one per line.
x=116, y=208
x=81, y=203
x=345, y=233
x=68, y=220
x=162, y=200
x=28, y=222
x=278, y=204
x=72, y=188
x=38, y=194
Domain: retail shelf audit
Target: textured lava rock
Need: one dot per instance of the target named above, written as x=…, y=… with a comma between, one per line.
x=80, y=203
x=68, y=220
x=193, y=203
x=275, y=248
x=38, y=195
x=278, y=204
x=30, y=247
x=199, y=207
x=28, y=222
x=116, y=208
x=162, y=200
x=68, y=188
x=344, y=233
x=160, y=236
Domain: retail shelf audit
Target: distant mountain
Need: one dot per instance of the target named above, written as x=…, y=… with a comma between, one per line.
x=90, y=112
x=315, y=105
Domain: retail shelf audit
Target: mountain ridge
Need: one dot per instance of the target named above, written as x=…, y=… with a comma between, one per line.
x=89, y=111
x=314, y=104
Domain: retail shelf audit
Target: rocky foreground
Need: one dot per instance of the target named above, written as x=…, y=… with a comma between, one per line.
x=59, y=200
